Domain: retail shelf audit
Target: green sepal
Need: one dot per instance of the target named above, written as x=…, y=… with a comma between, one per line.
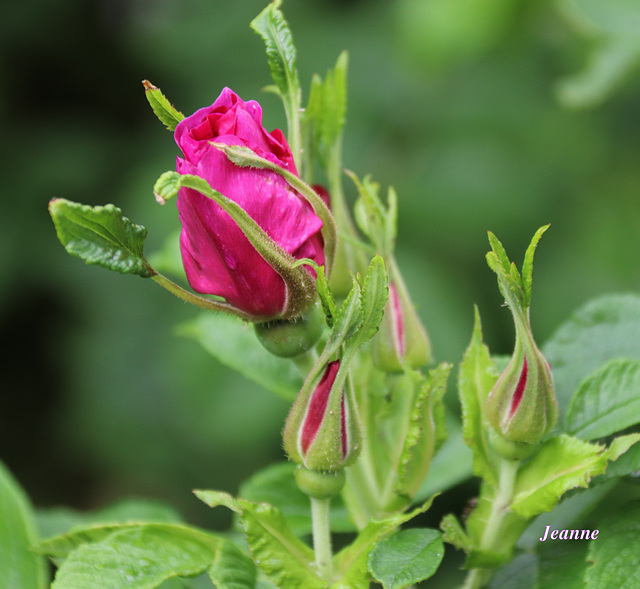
x=375, y=219
x=423, y=433
x=300, y=284
x=515, y=288
x=351, y=562
x=373, y=296
x=327, y=301
x=561, y=464
x=454, y=534
x=163, y=109
x=285, y=559
x=246, y=158
x=477, y=376
x=20, y=567
x=101, y=235
x=406, y=558
x=325, y=114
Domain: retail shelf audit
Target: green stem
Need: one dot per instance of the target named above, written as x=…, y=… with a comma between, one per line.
x=305, y=362
x=189, y=297
x=477, y=578
x=322, y=537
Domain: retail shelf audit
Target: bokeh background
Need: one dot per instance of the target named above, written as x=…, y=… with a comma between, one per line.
x=484, y=114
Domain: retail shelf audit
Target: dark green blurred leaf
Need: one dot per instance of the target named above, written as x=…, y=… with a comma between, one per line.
x=20, y=567
x=101, y=235
x=234, y=344
x=59, y=520
x=520, y=573
x=406, y=558
x=607, y=402
x=613, y=27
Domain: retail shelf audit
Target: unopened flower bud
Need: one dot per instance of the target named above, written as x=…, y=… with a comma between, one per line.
x=522, y=406
x=402, y=342
x=322, y=431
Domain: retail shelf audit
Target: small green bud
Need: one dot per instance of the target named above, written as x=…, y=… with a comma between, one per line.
x=322, y=432
x=288, y=338
x=401, y=342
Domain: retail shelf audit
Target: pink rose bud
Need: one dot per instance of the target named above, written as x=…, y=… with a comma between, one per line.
x=322, y=432
x=217, y=256
x=402, y=342
x=522, y=406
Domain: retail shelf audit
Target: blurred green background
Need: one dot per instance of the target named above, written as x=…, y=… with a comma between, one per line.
x=484, y=114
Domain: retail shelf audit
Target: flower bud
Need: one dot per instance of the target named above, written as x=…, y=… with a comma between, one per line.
x=322, y=432
x=522, y=406
x=402, y=342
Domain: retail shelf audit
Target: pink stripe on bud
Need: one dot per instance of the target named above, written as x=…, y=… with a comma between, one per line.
x=317, y=407
x=398, y=321
x=517, y=395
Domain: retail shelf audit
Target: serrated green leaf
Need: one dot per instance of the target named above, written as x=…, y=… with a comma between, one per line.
x=234, y=344
x=375, y=290
x=348, y=318
x=271, y=25
x=282, y=557
x=527, y=266
x=560, y=464
x=101, y=235
x=607, y=402
x=406, y=558
x=162, y=108
x=477, y=376
x=614, y=554
x=600, y=331
x=351, y=562
x=19, y=566
x=276, y=485
x=232, y=568
x=138, y=557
